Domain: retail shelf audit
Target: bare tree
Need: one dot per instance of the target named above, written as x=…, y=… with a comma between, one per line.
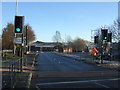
x=115, y=30
x=97, y=33
x=69, y=41
x=57, y=37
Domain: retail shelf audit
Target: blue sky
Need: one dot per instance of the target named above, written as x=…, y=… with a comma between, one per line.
x=76, y=19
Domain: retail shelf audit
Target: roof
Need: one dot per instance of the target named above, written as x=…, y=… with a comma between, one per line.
x=44, y=44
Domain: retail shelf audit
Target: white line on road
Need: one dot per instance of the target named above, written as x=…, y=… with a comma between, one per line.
x=69, y=82
x=30, y=75
x=29, y=80
x=102, y=85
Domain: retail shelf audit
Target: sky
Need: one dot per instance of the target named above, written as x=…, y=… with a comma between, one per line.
x=75, y=19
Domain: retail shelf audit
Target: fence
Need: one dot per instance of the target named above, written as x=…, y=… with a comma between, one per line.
x=15, y=70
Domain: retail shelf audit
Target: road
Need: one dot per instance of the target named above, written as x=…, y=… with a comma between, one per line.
x=58, y=71
x=49, y=62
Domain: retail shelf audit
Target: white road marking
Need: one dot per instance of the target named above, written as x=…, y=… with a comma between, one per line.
x=70, y=82
x=30, y=75
x=59, y=62
x=102, y=85
x=29, y=80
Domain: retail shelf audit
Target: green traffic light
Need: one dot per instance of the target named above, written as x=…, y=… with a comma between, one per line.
x=18, y=29
x=105, y=37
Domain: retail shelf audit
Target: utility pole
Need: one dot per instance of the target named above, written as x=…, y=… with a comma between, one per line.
x=14, y=51
x=16, y=7
x=21, y=65
x=101, y=51
x=26, y=39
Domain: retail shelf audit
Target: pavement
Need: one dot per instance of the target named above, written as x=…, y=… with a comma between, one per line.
x=90, y=59
x=15, y=78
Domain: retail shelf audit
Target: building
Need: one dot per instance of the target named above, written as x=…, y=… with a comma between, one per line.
x=67, y=49
x=45, y=46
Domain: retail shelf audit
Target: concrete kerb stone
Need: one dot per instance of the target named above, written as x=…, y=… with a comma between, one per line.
x=81, y=59
x=25, y=77
x=31, y=73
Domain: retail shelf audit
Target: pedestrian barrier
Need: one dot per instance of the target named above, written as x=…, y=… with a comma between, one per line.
x=15, y=69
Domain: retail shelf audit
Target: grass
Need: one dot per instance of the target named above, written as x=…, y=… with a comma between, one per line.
x=10, y=55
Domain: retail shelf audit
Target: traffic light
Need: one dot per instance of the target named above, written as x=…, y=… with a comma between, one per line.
x=96, y=38
x=109, y=37
x=19, y=24
x=104, y=34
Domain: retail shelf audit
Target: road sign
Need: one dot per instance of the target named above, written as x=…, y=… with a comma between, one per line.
x=18, y=40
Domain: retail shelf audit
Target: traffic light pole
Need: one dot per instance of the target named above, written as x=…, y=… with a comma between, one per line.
x=101, y=50
x=26, y=47
x=21, y=63
x=102, y=42
x=16, y=7
x=110, y=50
x=19, y=26
x=26, y=38
x=14, y=51
x=104, y=38
x=101, y=54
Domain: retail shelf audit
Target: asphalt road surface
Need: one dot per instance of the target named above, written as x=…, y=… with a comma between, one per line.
x=55, y=71
x=49, y=62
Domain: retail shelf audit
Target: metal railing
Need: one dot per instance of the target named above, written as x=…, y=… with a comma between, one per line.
x=14, y=70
